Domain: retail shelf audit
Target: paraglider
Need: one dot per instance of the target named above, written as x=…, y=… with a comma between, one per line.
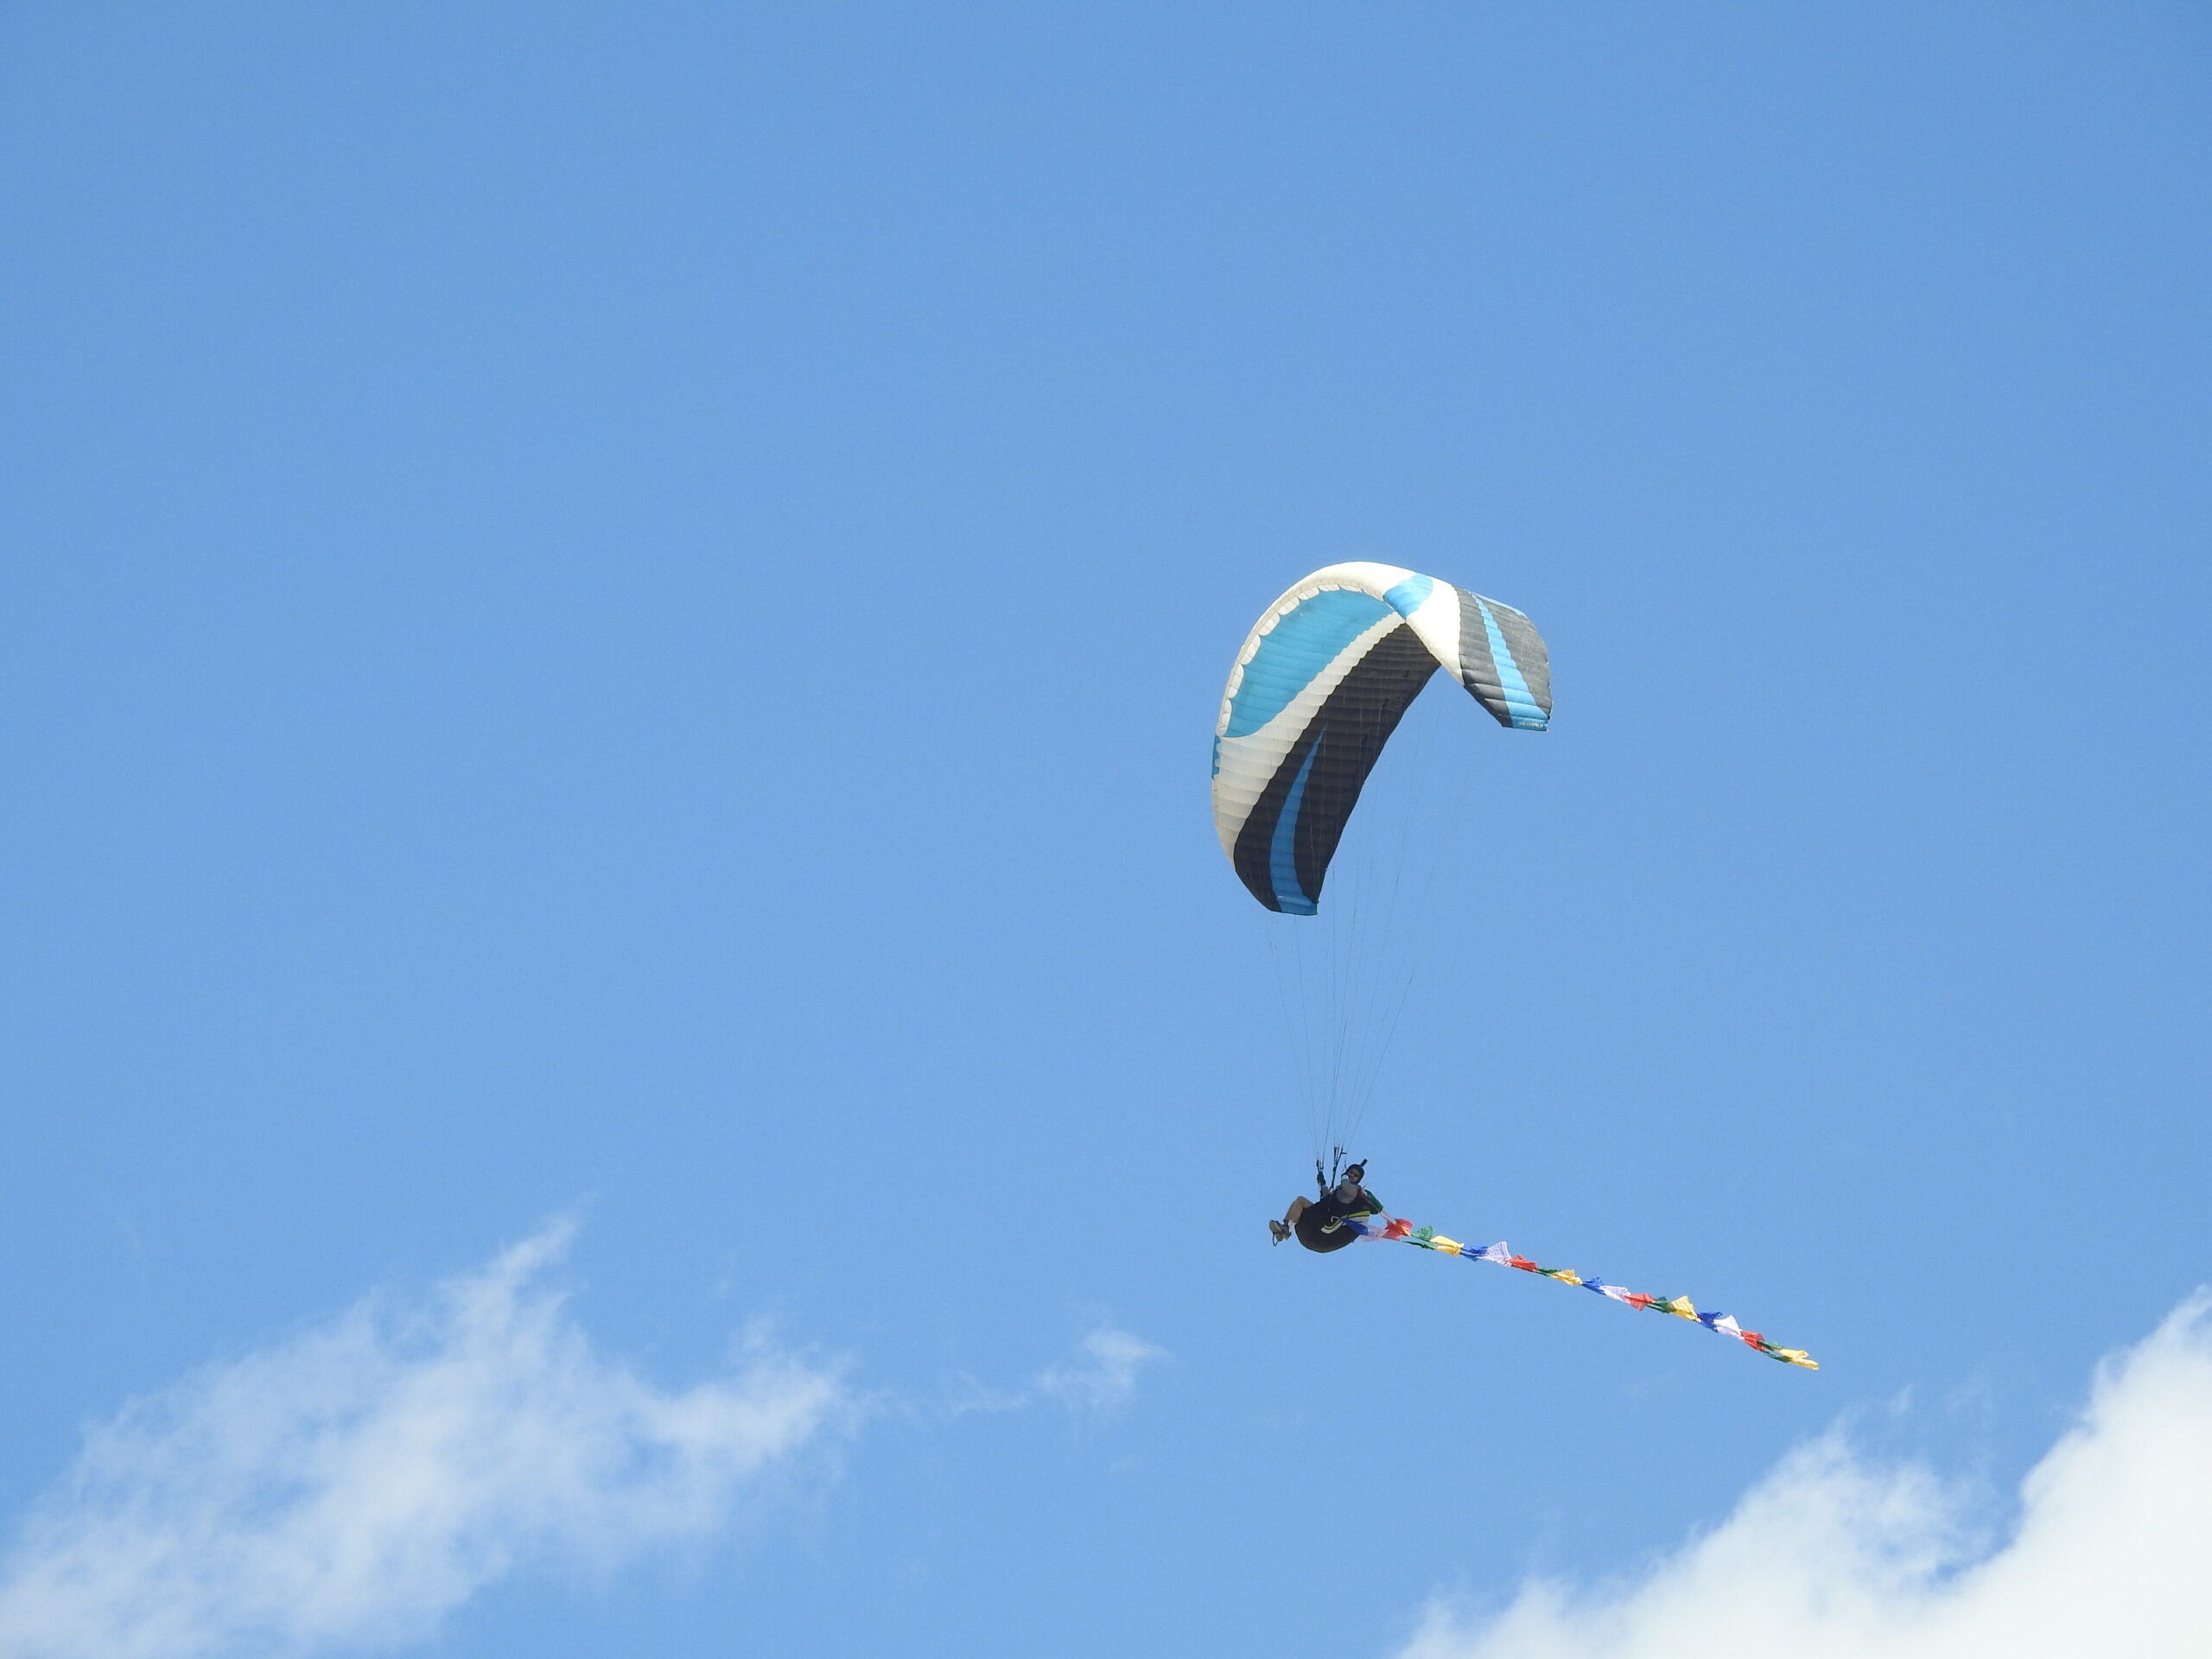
x=1322, y=682
x=1320, y=1224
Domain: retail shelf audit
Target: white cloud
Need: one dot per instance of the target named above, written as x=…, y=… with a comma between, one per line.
x=354, y=1482
x=1105, y=1377
x=1829, y=1558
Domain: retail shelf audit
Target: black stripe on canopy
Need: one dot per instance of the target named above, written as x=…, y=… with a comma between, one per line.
x=1343, y=740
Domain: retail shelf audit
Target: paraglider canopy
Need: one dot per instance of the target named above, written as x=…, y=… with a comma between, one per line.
x=1322, y=681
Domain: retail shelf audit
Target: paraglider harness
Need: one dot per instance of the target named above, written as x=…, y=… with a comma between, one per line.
x=1321, y=1226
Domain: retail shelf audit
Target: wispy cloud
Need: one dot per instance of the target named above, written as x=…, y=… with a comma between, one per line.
x=1100, y=1375
x=355, y=1483
x=1830, y=1558
x=1106, y=1374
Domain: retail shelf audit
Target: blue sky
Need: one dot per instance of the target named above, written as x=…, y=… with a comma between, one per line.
x=615, y=616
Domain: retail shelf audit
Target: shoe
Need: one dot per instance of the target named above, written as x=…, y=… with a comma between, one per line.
x=1280, y=1231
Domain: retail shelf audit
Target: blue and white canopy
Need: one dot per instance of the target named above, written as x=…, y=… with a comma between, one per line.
x=1321, y=684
